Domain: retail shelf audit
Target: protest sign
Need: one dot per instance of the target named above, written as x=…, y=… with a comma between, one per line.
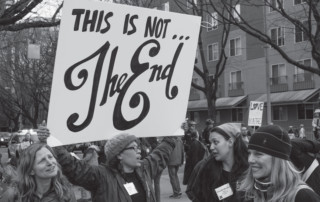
x=120, y=69
x=255, y=113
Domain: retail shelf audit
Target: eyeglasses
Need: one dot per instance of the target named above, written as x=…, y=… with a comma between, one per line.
x=136, y=149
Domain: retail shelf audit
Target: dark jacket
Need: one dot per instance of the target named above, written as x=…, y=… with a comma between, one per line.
x=305, y=195
x=105, y=183
x=302, y=195
x=11, y=195
x=194, y=154
x=207, y=176
x=303, y=153
x=177, y=155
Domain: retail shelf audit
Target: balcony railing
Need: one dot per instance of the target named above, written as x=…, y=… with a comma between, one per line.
x=235, y=89
x=236, y=85
x=278, y=80
x=278, y=84
x=303, y=81
x=303, y=77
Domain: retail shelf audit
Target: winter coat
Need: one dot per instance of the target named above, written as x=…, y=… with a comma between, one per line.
x=91, y=156
x=207, y=176
x=302, y=194
x=194, y=154
x=11, y=195
x=106, y=183
x=303, y=153
x=177, y=155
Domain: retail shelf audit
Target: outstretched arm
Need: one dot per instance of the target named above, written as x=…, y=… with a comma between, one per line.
x=158, y=158
x=78, y=172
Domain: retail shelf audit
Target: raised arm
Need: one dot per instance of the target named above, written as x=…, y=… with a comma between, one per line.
x=78, y=172
x=158, y=158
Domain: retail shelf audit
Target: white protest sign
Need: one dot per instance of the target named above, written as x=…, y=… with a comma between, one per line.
x=255, y=113
x=120, y=69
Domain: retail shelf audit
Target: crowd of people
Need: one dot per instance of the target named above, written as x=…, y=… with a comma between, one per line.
x=222, y=163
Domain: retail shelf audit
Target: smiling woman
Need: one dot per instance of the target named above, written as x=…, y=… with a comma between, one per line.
x=39, y=178
x=271, y=177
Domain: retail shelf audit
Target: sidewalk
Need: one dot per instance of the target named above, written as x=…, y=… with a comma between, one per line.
x=166, y=189
x=165, y=186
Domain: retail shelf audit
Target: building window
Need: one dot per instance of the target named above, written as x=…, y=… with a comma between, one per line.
x=213, y=52
x=299, y=34
x=237, y=115
x=278, y=74
x=305, y=111
x=212, y=21
x=165, y=6
x=235, y=80
x=300, y=74
x=194, y=93
x=235, y=47
x=296, y=2
x=195, y=116
x=218, y=116
x=236, y=11
x=190, y=3
x=277, y=36
x=275, y=5
x=279, y=113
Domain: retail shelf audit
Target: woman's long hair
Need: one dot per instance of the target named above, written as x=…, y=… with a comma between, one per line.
x=284, y=180
x=210, y=174
x=240, y=153
x=26, y=182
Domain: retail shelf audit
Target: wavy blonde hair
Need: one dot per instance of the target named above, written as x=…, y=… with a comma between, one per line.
x=284, y=180
x=26, y=182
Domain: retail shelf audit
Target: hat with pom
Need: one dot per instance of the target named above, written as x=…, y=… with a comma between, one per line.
x=117, y=144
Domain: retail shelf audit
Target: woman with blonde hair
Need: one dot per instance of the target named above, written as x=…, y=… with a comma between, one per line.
x=39, y=178
x=271, y=177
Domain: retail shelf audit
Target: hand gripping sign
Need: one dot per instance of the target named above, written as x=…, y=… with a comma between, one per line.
x=119, y=69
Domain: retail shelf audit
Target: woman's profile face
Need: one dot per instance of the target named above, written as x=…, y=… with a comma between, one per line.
x=220, y=147
x=260, y=164
x=131, y=155
x=45, y=165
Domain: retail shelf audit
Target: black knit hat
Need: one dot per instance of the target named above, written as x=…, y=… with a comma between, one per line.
x=272, y=140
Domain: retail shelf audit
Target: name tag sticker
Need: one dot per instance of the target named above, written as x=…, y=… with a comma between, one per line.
x=131, y=189
x=224, y=191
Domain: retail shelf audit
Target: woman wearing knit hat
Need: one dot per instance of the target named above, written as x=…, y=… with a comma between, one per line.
x=217, y=177
x=271, y=177
x=125, y=177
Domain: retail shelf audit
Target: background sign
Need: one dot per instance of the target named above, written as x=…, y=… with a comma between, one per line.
x=120, y=69
x=255, y=113
x=34, y=51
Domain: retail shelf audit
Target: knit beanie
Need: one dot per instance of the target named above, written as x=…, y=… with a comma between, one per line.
x=272, y=140
x=228, y=130
x=115, y=145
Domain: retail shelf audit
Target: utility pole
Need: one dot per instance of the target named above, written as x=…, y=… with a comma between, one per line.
x=266, y=52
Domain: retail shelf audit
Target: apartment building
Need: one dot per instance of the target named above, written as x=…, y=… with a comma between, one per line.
x=294, y=93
